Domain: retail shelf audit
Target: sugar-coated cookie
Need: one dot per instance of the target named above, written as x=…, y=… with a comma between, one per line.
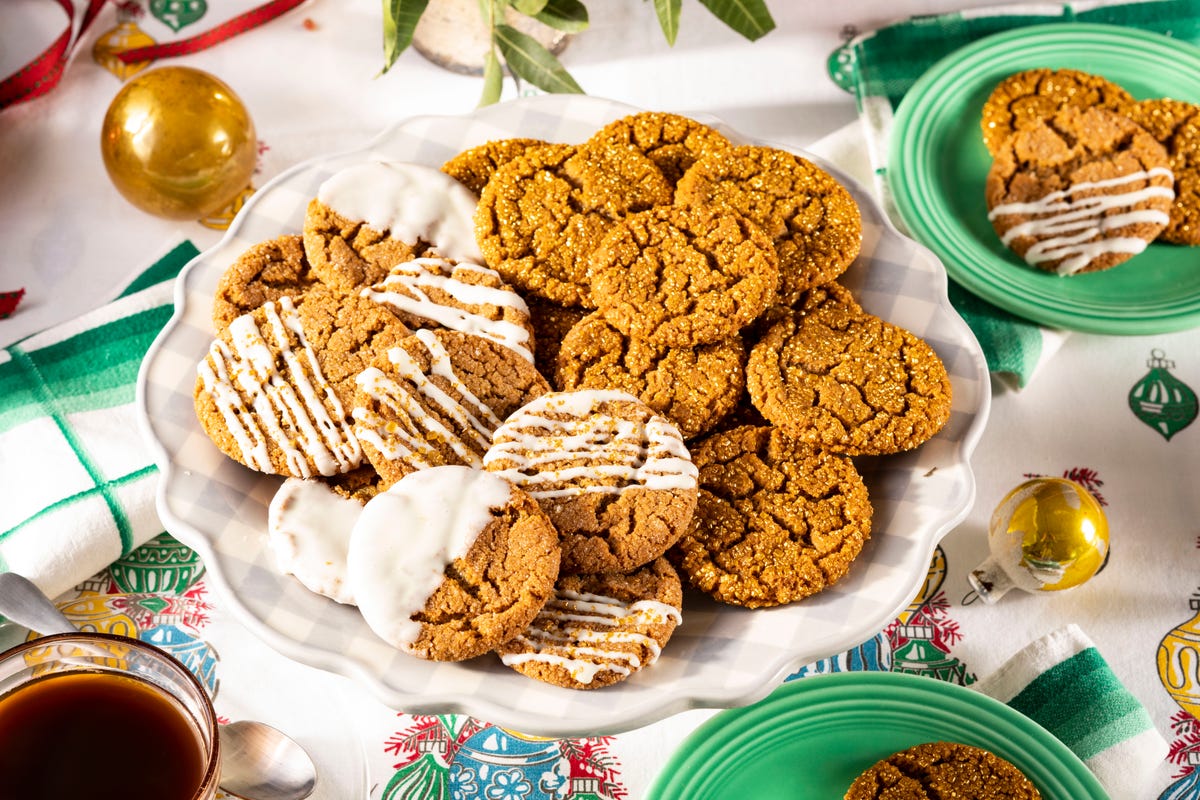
x=940, y=770
x=1176, y=125
x=474, y=167
x=451, y=562
x=597, y=630
x=672, y=141
x=614, y=476
x=265, y=271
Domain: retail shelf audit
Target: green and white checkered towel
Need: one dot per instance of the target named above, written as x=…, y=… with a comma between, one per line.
x=880, y=66
x=77, y=481
x=1063, y=683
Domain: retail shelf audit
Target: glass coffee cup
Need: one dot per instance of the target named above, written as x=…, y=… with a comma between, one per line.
x=101, y=716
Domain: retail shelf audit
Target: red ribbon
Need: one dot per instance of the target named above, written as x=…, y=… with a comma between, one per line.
x=44, y=72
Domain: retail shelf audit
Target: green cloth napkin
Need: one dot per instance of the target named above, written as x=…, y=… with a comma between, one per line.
x=880, y=66
x=78, y=479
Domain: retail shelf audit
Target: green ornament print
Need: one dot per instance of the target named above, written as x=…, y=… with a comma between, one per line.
x=1161, y=400
x=177, y=14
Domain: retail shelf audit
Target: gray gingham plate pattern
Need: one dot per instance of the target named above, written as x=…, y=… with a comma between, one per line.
x=721, y=656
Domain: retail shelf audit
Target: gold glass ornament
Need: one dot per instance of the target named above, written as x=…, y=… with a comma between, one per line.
x=1048, y=534
x=178, y=143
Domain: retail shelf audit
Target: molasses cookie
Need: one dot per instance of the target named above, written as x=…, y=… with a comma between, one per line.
x=265, y=271
x=615, y=477
x=474, y=167
x=1023, y=100
x=1081, y=192
x=275, y=390
x=1176, y=126
x=308, y=530
x=597, y=630
x=542, y=214
x=682, y=276
x=551, y=323
x=843, y=379
x=671, y=141
x=470, y=567
x=939, y=770
x=369, y=217
x=812, y=220
x=693, y=387
x=778, y=519
x=436, y=399
x=467, y=297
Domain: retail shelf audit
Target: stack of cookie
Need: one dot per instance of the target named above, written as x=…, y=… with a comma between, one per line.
x=1084, y=176
x=514, y=397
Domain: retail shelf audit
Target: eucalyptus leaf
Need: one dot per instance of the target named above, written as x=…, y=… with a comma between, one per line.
x=493, y=79
x=400, y=19
x=530, y=61
x=668, y=17
x=529, y=8
x=750, y=18
x=564, y=15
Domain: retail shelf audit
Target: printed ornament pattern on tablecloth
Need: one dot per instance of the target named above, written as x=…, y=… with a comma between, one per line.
x=1162, y=401
x=459, y=757
x=1179, y=670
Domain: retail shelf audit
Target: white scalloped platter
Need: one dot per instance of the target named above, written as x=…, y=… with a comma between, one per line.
x=721, y=656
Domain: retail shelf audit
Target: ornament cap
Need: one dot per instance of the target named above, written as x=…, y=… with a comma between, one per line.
x=990, y=581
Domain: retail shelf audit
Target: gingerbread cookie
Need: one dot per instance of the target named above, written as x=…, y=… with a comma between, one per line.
x=812, y=220
x=778, y=519
x=682, y=276
x=843, y=379
x=1081, y=192
x=1025, y=99
x=369, y=217
x=615, y=477
x=597, y=630
x=939, y=770
x=275, y=390
x=467, y=297
x=470, y=567
x=308, y=530
x=693, y=387
x=1176, y=126
x=436, y=399
x=474, y=167
x=266, y=271
x=542, y=214
x=673, y=142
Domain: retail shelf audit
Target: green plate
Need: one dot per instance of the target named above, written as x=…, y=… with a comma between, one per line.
x=811, y=737
x=938, y=165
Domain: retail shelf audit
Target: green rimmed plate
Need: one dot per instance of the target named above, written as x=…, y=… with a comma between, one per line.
x=811, y=737
x=938, y=165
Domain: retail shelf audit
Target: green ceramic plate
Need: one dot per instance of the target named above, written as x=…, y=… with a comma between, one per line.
x=938, y=164
x=810, y=738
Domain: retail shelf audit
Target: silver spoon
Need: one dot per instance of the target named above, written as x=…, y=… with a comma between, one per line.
x=258, y=762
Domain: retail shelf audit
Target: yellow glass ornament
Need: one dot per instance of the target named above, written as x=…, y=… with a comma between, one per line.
x=178, y=143
x=1046, y=535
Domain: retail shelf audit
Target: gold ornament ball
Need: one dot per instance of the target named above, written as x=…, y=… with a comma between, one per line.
x=178, y=143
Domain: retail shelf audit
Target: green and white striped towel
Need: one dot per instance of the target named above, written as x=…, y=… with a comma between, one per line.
x=1063, y=683
x=880, y=66
x=77, y=481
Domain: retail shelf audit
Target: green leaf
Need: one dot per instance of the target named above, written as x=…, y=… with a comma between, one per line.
x=531, y=62
x=750, y=18
x=564, y=15
x=529, y=8
x=400, y=19
x=668, y=17
x=493, y=79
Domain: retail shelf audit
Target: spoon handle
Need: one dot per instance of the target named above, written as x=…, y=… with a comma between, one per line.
x=24, y=603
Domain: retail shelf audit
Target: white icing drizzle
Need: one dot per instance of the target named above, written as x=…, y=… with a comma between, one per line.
x=474, y=419
x=579, y=648
x=405, y=289
x=619, y=453
x=1075, y=229
x=261, y=404
x=409, y=202
x=407, y=536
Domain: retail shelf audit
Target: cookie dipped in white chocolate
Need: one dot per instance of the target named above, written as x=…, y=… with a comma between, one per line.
x=308, y=529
